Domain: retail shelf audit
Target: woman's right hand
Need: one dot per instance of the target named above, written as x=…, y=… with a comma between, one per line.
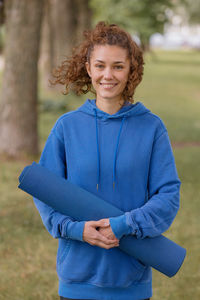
x=92, y=236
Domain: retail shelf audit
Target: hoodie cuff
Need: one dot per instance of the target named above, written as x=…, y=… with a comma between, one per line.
x=132, y=224
x=74, y=230
x=119, y=226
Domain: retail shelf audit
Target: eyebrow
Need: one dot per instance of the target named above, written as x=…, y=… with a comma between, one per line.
x=115, y=62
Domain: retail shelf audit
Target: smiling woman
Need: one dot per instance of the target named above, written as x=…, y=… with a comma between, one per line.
x=73, y=73
x=109, y=68
x=118, y=151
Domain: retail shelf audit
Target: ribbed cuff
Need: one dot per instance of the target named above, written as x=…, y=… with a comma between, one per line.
x=74, y=230
x=119, y=226
x=132, y=224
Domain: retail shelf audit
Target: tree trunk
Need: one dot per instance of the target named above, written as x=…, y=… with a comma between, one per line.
x=58, y=36
x=84, y=15
x=46, y=47
x=18, y=104
x=62, y=29
x=63, y=24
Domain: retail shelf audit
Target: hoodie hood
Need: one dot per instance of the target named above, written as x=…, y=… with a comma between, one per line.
x=127, y=110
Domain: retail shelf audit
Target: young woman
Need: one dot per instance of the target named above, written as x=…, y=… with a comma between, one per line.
x=119, y=151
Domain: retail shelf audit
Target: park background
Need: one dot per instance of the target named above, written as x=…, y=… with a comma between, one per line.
x=35, y=36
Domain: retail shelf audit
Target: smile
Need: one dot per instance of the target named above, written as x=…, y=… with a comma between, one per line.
x=108, y=85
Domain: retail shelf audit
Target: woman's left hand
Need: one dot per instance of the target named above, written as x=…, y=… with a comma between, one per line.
x=107, y=231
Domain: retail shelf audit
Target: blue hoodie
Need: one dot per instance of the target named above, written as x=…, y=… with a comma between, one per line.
x=126, y=159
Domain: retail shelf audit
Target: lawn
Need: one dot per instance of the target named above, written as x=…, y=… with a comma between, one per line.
x=28, y=253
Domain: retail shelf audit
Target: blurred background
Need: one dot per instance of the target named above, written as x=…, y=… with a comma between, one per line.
x=35, y=37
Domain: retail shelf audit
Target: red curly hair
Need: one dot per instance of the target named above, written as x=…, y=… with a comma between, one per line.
x=73, y=74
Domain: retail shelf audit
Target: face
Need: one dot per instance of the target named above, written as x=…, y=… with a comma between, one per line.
x=109, y=69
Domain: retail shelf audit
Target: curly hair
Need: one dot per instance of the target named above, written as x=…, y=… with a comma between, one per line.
x=73, y=74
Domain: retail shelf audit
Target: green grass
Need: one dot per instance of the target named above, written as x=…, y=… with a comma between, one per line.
x=185, y=231
x=171, y=89
x=28, y=253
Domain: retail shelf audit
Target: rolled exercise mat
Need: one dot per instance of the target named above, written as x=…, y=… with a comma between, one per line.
x=159, y=252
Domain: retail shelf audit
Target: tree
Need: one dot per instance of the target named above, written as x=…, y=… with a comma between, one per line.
x=192, y=9
x=2, y=16
x=142, y=18
x=63, y=24
x=83, y=18
x=58, y=35
x=18, y=104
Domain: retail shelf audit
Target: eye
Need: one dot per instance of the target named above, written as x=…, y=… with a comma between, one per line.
x=118, y=67
x=99, y=66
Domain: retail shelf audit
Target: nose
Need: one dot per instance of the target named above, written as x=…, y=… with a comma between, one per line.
x=108, y=74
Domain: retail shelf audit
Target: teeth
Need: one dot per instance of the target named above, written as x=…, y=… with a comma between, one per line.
x=108, y=84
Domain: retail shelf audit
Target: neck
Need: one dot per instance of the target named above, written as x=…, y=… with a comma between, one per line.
x=109, y=106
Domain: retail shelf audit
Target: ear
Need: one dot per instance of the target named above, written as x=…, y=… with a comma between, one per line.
x=87, y=65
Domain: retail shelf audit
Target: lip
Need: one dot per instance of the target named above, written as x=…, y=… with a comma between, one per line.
x=108, y=86
x=108, y=83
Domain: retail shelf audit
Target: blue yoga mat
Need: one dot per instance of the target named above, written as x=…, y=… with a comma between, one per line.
x=159, y=252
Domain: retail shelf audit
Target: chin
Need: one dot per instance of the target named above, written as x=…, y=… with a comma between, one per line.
x=109, y=95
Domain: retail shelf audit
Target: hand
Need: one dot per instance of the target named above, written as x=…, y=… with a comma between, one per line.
x=107, y=230
x=92, y=235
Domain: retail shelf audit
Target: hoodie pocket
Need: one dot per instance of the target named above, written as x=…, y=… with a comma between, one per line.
x=104, y=268
x=63, y=249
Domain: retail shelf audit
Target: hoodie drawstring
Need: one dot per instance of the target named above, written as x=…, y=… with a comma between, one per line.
x=115, y=158
x=98, y=154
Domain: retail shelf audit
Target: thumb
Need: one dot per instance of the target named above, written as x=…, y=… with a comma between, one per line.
x=103, y=223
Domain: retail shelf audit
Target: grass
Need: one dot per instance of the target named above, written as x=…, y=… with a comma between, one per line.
x=28, y=253
x=185, y=231
x=171, y=89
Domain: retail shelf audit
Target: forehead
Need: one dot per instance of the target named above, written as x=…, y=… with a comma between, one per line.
x=108, y=53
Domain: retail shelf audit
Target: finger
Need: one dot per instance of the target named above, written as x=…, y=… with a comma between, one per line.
x=112, y=237
x=100, y=237
x=106, y=243
x=102, y=223
x=105, y=246
x=108, y=235
x=107, y=232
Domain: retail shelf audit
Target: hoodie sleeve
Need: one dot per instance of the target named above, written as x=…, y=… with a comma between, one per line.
x=155, y=217
x=57, y=224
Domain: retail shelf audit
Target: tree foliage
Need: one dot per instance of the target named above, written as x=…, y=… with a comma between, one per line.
x=193, y=10
x=138, y=17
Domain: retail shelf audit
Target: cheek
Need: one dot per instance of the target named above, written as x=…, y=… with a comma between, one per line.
x=94, y=81
x=126, y=76
x=123, y=76
x=124, y=80
x=94, y=75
